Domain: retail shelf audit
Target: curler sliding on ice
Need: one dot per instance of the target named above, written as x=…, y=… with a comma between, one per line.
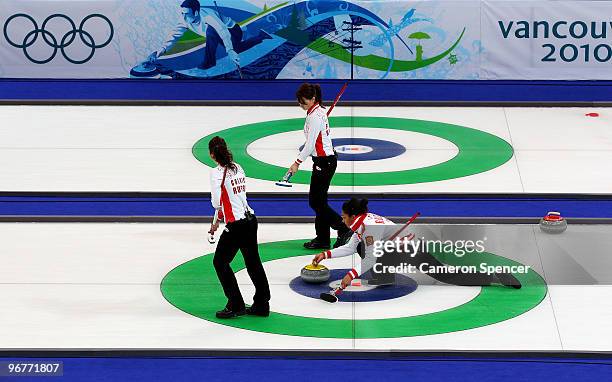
x=332, y=296
x=368, y=228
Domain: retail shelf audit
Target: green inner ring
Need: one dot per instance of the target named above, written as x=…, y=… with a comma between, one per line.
x=478, y=151
x=193, y=288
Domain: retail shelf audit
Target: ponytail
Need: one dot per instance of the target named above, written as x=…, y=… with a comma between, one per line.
x=318, y=94
x=222, y=155
x=355, y=206
x=309, y=91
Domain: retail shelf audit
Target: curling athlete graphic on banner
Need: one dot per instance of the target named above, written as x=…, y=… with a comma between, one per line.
x=218, y=30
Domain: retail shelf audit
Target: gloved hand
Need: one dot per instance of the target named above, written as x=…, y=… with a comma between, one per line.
x=234, y=56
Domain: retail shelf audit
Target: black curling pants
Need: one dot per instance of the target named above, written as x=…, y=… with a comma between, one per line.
x=241, y=235
x=323, y=170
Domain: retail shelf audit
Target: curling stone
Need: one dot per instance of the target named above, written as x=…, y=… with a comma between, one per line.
x=144, y=70
x=315, y=274
x=553, y=222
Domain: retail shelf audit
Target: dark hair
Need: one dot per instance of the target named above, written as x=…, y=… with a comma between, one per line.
x=223, y=156
x=355, y=206
x=194, y=5
x=309, y=91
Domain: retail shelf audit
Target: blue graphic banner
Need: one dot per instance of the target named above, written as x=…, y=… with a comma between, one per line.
x=308, y=39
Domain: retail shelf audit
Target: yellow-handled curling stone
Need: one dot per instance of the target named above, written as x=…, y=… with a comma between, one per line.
x=315, y=274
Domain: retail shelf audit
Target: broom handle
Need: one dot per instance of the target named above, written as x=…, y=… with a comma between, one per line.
x=337, y=98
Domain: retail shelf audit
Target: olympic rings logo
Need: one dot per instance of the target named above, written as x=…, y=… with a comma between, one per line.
x=67, y=39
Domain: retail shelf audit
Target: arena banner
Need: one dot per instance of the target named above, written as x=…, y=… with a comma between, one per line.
x=547, y=40
x=310, y=39
x=254, y=39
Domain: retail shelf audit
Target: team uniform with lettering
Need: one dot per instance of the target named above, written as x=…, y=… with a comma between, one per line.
x=228, y=197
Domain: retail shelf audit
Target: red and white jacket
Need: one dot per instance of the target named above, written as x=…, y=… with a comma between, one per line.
x=229, y=198
x=316, y=130
x=367, y=228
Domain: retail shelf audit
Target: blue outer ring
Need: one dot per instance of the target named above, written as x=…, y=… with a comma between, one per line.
x=381, y=149
x=404, y=285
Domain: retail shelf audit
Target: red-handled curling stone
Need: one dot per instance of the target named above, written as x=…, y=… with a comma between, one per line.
x=553, y=222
